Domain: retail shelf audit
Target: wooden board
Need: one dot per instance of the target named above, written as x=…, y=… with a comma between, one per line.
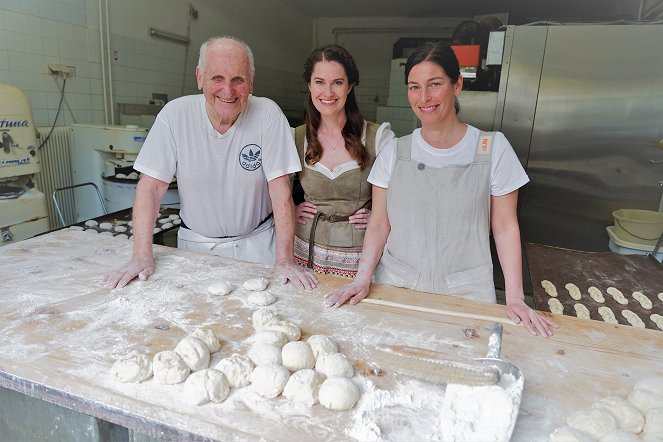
x=63, y=331
x=627, y=273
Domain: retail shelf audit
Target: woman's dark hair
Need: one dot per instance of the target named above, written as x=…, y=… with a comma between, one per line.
x=354, y=125
x=440, y=54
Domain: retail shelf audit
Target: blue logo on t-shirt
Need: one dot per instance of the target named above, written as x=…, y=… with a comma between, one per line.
x=250, y=157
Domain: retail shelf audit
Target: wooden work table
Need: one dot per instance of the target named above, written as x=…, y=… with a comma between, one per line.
x=61, y=332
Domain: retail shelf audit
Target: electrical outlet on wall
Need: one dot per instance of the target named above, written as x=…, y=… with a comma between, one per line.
x=61, y=70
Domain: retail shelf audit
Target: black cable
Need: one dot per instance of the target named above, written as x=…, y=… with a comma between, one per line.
x=64, y=83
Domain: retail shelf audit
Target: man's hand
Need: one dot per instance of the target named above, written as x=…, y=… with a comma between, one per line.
x=299, y=277
x=536, y=324
x=141, y=266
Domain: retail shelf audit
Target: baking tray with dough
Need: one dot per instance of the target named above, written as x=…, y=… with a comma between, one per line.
x=626, y=273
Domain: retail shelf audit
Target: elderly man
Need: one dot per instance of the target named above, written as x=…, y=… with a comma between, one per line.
x=233, y=154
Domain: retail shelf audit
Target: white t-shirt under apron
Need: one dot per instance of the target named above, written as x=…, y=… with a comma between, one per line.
x=507, y=174
x=221, y=178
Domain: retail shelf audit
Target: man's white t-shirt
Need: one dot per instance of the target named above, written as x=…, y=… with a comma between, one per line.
x=507, y=174
x=221, y=179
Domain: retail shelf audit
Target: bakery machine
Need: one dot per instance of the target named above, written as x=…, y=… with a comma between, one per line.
x=104, y=155
x=23, y=211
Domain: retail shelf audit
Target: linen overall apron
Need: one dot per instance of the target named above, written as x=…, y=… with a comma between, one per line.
x=440, y=226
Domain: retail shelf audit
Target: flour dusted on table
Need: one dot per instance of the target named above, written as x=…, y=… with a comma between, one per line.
x=481, y=414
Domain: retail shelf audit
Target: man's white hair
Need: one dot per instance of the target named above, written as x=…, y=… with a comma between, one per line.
x=226, y=40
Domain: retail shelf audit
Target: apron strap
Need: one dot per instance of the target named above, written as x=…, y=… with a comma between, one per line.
x=404, y=148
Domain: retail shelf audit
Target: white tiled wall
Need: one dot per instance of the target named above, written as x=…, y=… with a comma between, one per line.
x=34, y=33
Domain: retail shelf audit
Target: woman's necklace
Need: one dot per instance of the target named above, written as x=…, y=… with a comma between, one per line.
x=333, y=146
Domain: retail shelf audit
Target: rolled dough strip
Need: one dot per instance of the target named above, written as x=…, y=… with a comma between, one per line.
x=574, y=291
x=644, y=301
x=549, y=287
x=633, y=319
x=596, y=294
x=658, y=320
x=607, y=315
x=581, y=311
x=556, y=307
x=618, y=295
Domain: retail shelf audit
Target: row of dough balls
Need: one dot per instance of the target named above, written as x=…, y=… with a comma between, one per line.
x=606, y=314
x=258, y=296
x=110, y=229
x=597, y=295
x=614, y=419
x=275, y=353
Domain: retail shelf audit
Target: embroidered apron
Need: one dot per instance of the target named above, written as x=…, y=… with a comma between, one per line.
x=440, y=226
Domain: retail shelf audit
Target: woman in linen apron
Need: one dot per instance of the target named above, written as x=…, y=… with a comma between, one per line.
x=337, y=148
x=438, y=193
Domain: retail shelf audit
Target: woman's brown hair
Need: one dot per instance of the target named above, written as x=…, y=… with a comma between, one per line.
x=354, y=125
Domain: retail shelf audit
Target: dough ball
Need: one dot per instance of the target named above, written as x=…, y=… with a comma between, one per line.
x=194, y=352
x=163, y=221
x=303, y=386
x=334, y=364
x=166, y=226
x=121, y=235
x=581, y=311
x=617, y=295
x=177, y=222
x=573, y=290
x=321, y=344
x=645, y=400
x=549, y=287
x=627, y=416
x=261, y=298
x=273, y=337
x=221, y=288
x=106, y=233
x=130, y=223
x=174, y=216
x=121, y=176
x=633, y=319
x=262, y=353
x=607, y=315
x=75, y=228
x=133, y=176
x=595, y=421
x=263, y=317
x=106, y=226
x=120, y=229
x=237, y=369
x=91, y=223
x=206, y=335
x=156, y=230
x=297, y=355
x=657, y=319
x=91, y=231
x=596, y=294
x=291, y=330
x=620, y=435
x=206, y=385
x=169, y=368
x=568, y=434
x=256, y=284
x=644, y=301
x=654, y=421
x=269, y=380
x=133, y=367
x=556, y=307
x=338, y=393
x=653, y=384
